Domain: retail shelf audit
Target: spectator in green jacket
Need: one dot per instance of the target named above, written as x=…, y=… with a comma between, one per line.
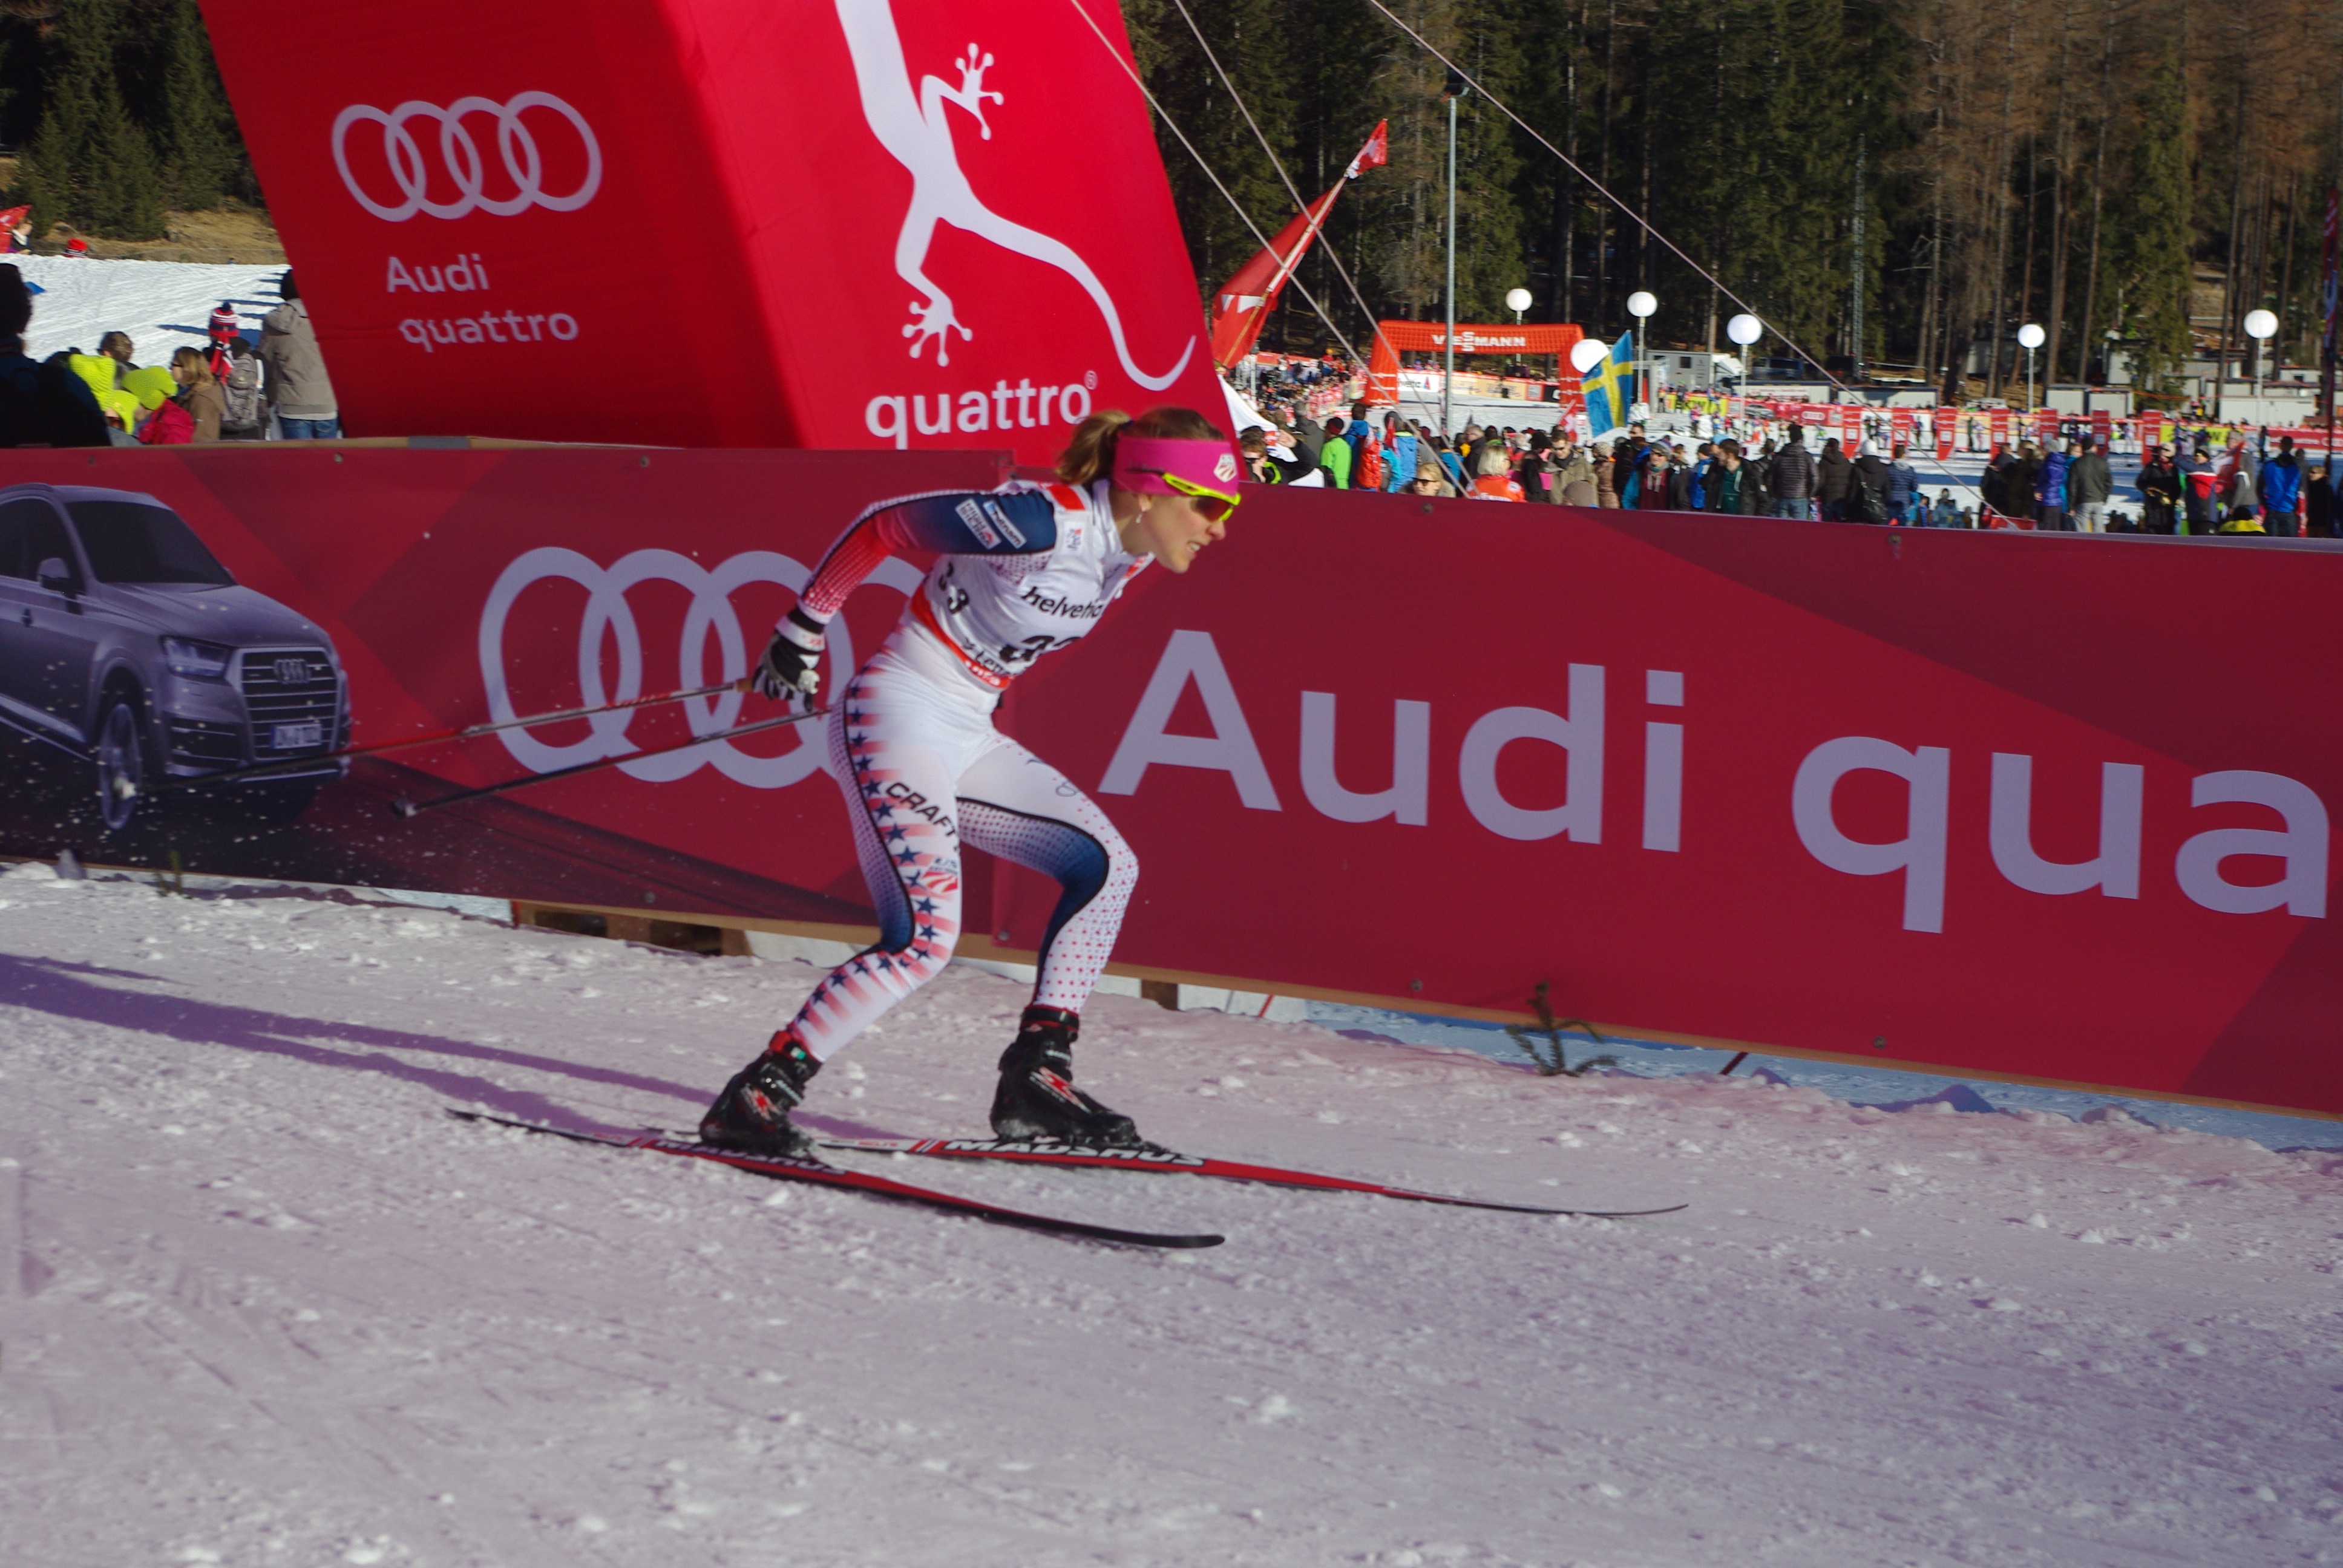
x=1334, y=456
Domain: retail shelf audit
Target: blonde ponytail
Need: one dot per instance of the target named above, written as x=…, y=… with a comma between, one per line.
x=1091, y=454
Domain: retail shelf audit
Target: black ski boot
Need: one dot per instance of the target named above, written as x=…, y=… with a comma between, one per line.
x=752, y=1114
x=1038, y=1099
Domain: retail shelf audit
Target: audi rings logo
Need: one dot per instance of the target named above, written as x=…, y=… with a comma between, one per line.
x=607, y=615
x=458, y=161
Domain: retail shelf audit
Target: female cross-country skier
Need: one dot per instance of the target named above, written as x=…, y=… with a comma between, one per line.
x=1024, y=570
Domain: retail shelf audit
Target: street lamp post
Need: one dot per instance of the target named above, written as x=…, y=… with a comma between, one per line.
x=2261, y=326
x=1584, y=356
x=1745, y=329
x=2029, y=337
x=1453, y=89
x=1642, y=306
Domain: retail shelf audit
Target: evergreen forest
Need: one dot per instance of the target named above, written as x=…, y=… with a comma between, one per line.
x=1927, y=168
x=1887, y=179
x=116, y=112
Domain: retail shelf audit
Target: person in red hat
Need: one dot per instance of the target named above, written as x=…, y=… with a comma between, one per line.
x=1021, y=571
x=224, y=331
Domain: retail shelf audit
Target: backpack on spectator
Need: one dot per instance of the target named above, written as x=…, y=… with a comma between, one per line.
x=241, y=392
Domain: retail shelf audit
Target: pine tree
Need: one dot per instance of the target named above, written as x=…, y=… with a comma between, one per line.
x=90, y=164
x=2152, y=262
x=195, y=132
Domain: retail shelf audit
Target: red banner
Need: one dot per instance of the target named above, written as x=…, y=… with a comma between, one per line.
x=1741, y=778
x=2000, y=422
x=1243, y=303
x=829, y=225
x=1943, y=422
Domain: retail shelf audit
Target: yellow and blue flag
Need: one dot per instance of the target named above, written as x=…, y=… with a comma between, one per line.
x=1609, y=386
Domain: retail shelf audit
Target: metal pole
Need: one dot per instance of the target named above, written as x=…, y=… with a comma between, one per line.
x=1448, y=372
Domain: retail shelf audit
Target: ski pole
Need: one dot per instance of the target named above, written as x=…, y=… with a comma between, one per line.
x=406, y=808
x=469, y=732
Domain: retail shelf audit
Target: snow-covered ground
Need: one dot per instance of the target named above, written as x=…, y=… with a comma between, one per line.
x=163, y=305
x=261, y=1304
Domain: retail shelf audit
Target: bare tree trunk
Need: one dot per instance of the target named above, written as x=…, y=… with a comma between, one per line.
x=1602, y=313
x=1997, y=329
x=2285, y=268
x=2098, y=198
x=2259, y=246
x=2033, y=218
x=2229, y=278
x=2057, y=320
x=1568, y=182
x=1644, y=193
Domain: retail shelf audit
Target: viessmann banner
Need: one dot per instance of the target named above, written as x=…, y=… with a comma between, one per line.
x=899, y=224
x=2042, y=806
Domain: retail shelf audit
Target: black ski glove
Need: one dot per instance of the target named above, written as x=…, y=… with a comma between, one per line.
x=789, y=665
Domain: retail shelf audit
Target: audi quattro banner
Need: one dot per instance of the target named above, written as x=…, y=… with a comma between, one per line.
x=301, y=601
x=899, y=224
x=1929, y=798
x=2062, y=813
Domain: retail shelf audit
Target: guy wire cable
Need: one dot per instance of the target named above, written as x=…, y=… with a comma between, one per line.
x=1714, y=280
x=1326, y=245
x=1173, y=126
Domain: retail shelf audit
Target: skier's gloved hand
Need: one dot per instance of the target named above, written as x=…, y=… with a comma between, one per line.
x=789, y=666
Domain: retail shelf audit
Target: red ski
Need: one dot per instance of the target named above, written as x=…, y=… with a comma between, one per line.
x=1150, y=1158
x=790, y=1169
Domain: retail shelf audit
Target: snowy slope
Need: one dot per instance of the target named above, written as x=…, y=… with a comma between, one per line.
x=261, y=1304
x=163, y=305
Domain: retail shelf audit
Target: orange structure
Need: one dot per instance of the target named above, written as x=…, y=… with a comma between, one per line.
x=1391, y=338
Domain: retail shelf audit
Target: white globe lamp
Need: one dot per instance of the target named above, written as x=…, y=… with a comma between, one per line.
x=1744, y=329
x=2029, y=337
x=1587, y=353
x=1517, y=300
x=2261, y=326
x=1640, y=305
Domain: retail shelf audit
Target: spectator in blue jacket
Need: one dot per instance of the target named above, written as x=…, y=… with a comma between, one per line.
x=1905, y=504
x=1399, y=448
x=2050, y=491
x=2281, y=485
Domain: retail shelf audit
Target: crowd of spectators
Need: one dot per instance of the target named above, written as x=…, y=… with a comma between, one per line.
x=2183, y=489
x=230, y=390
x=2072, y=490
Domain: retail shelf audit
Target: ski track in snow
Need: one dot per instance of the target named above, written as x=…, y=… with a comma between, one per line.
x=261, y=1304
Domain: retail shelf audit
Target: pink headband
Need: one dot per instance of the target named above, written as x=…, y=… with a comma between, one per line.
x=1141, y=461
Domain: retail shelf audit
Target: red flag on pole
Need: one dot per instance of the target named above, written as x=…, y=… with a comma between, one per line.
x=1242, y=302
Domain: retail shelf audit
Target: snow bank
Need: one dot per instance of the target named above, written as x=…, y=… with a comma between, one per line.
x=263, y=1303
x=163, y=305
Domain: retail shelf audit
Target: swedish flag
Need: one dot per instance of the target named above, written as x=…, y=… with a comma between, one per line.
x=1608, y=386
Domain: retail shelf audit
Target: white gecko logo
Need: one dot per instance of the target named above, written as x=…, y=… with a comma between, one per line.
x=917, y=133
